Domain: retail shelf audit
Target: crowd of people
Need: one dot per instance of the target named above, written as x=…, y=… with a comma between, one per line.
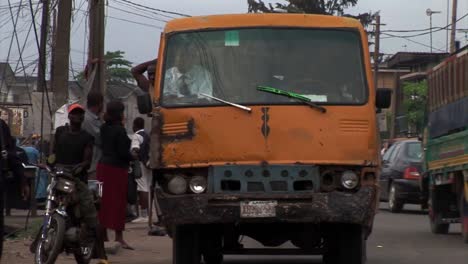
x=95, y=143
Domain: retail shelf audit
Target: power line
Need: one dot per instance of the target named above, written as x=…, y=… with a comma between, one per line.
x=410, y=40
x=426, y=33
x=11, y=44
x=21, y=51
x=38, y=49
x=140, y=9
x=156, y=9
x=140, y=15
x=125, y=20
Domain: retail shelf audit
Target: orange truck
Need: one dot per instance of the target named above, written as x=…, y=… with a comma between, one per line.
x=264, y=126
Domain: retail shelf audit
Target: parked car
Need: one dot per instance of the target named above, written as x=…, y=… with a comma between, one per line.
x=401, y=171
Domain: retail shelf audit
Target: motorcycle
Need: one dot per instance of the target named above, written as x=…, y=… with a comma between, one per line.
x=62, y=229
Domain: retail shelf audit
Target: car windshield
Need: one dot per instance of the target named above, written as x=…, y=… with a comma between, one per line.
x=414, y=151
x=325, y=66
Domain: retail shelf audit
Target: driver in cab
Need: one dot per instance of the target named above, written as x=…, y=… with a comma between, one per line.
x=187, y=78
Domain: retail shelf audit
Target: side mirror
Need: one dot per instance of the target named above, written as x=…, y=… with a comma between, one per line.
x=145, y=105
x=383, y=98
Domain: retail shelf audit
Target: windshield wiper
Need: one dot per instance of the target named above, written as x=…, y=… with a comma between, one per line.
x=245, y=108
x=292, y=95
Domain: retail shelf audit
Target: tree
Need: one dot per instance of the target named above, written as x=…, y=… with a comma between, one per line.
x=322, y=7
x=414, y=102
x=117, y=68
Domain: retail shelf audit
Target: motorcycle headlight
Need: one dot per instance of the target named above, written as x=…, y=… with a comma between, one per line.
x=349, y=180
x=198, y=184
x=177, y=185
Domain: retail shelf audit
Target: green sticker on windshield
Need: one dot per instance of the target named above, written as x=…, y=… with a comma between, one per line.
x=231, y=38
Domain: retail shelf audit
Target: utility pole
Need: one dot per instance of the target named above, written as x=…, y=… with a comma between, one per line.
x=454, y=26
x=41, y=80
x=429, y=13
x=447, y=30
x=41, y=77
x=61, y=53
x=376, y=50
x=96, y=64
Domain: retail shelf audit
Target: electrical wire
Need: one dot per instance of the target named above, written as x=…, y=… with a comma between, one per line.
x=155, y=9
x=426, y=33
x=126, y=20
x=20, y=52
x=140, y=9
x=15, y=22
x=140, y=15
x=38, y=49
x=413, y=41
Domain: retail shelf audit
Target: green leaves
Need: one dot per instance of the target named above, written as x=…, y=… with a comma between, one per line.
x=117, y=68
x=415, y=99
x=323, y=7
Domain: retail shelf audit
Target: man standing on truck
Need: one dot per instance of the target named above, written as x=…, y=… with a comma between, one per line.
x=145, y=83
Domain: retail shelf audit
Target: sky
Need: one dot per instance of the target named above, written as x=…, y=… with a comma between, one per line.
x=140, y=41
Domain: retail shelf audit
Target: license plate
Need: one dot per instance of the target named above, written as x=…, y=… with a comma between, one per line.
x=258, y=209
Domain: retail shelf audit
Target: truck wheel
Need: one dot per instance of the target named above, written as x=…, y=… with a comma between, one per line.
x=347, y=245
x=435, y=216
x=394, y=204
x=185, y=243
x=353, y=245
x=212, y=242
x=464, y=217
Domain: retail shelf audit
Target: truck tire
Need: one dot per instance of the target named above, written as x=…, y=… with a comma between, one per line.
x=394, y=204
x=212, y=244
x=347, y=245
x=185, y=245
x=464, y=216
x=435, y=217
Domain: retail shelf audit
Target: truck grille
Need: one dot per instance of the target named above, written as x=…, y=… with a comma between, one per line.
x=264, y=179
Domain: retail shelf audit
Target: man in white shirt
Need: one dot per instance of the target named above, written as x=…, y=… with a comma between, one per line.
x=187, y=78
x=140, y=150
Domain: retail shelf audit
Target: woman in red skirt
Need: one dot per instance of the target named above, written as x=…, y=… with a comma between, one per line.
x=112, y=170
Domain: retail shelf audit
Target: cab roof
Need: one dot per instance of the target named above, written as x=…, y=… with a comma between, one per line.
x=260, y=20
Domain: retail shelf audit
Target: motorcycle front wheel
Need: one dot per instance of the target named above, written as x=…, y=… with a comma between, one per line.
x=48, y=249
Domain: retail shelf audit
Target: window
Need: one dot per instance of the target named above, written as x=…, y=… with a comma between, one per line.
x=414, y=151
x=323, y=65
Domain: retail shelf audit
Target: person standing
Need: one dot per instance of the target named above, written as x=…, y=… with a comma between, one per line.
x=112, y=170
x=140, y=150
x=92, y=124
x=9, y=163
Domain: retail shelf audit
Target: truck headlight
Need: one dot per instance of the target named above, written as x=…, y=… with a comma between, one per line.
x=198, y=184
x=177, y=185
x=349, y=180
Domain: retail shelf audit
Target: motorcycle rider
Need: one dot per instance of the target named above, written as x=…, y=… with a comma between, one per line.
x=74, y=149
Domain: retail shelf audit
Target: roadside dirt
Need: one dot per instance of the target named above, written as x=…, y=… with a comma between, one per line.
x=148, y=249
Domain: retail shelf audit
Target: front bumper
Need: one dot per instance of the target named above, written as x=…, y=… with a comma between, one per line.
x=408, y=191
x=333, y=207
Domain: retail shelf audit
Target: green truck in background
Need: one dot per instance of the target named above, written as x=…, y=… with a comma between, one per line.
x=445, y=183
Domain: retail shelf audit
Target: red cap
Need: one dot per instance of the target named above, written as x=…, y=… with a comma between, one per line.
x=74, y=107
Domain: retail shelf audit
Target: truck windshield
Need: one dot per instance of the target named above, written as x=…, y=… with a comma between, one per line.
x=325, y=66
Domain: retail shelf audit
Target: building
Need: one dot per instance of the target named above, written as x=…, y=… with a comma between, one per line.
x=29, y=112
x=411, y=67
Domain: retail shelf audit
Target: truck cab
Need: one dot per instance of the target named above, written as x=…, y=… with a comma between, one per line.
x=265, y=126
